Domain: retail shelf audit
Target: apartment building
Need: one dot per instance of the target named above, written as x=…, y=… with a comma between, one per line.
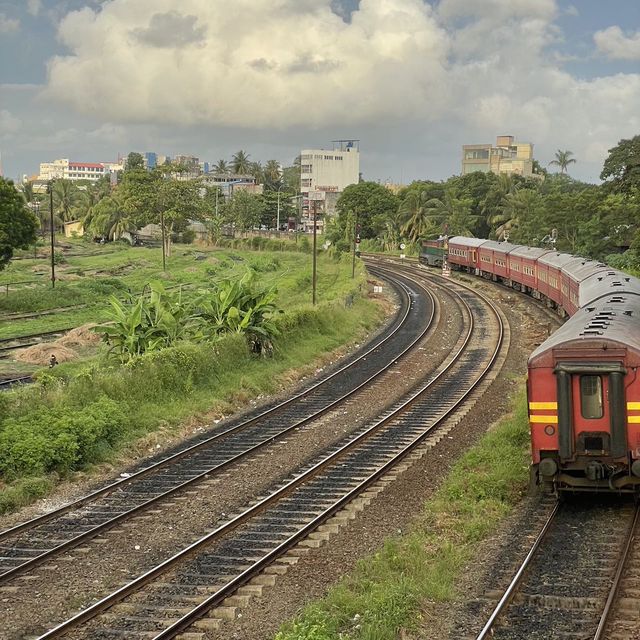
x=68, y=170
x=507, y=156
x=324, y=176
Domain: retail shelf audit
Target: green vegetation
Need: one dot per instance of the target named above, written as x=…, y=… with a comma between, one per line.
x=184, y=355
x=546, y=210
x=385, y=592
x=17, y=224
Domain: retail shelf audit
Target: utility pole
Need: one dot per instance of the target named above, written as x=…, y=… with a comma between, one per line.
x=314, y=274
x=164, y=250
x=356, y=241
x=53, y=236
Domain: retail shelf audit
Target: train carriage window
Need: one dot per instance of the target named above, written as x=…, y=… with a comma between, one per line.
x=591, y=397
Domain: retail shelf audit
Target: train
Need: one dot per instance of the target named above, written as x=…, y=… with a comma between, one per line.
x=432, y=252
x=583, y=387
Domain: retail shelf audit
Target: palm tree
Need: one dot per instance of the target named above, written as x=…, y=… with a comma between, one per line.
x=66, y=198
x=418, y=219
x=563, y=160
x=454, y=212
x=255, y=169
x=514, y=208
x=221, y=167
x=240, y=163
x=272, y=173
x=109, y=219
x=27, y=192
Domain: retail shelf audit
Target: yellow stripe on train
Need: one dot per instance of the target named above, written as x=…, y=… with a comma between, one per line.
x=633, y=406
x=633, y=419
x=546, y=405
x=545, y=419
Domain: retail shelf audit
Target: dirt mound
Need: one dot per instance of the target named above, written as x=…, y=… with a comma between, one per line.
x=79, y=337
x=40, y=354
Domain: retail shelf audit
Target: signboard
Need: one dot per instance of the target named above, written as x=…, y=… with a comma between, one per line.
x=316, y=195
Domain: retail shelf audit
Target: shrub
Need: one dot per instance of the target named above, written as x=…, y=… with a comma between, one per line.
x=60, y=438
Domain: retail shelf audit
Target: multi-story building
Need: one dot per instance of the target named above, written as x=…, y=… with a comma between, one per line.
x=507, y=156
x=68, y=170
x=324, y=175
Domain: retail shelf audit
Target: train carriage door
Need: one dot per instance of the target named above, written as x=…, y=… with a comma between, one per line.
x=591, y=410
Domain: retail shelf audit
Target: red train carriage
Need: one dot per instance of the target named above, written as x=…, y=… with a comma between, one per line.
x=550, y=275
x=573, y=274
x=523, y=268
x=494, y=258
x=584, y=399
x=463, y=252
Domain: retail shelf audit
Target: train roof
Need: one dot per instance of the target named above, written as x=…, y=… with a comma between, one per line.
x=581, y=268
x=469, y=242
x=607, y=323
x=503, y=247
x=533, y=253
x=555, y=259
x=605, y=282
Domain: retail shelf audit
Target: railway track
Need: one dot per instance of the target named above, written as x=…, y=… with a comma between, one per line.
x=580, y=578
x=175, y=595
x=27, y=545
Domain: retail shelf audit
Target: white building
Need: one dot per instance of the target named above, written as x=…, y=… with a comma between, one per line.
x=324, y=176
x=68, y=170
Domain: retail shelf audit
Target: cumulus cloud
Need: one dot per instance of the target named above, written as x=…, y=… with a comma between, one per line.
x=270, y=63
x=401, y=70
x=613, y=43
x=7, y=25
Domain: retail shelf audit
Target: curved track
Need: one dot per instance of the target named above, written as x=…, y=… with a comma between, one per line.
x=29, y=544
x=171, y=597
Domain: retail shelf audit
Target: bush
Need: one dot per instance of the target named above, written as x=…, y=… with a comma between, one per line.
x=61, y=438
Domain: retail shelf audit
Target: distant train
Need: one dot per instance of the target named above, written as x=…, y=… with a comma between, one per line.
x=432, y=252
x=583, y=385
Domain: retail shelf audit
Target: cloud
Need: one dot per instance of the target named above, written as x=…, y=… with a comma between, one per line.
x=613, y=43
x=406, y=78
x=260, y=63
x=8, y=25
x=571, y=10
x=34, y=7
x=171, y=29
x=9, y=124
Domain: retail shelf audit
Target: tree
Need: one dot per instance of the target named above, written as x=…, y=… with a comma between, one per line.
x=244, y=210
x=240, y=163
x=270, y=213
x=417, y=218
x=515, y=205
x=272, y=173
x=563, y=160
x=109, y=219
x=374, y=203
x=621, y=169
x=17, y=223
x=221, y=167
x=134, y=161
x=66, y=200
x=453, y=212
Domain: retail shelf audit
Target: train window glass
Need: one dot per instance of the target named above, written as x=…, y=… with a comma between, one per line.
x=591, y=397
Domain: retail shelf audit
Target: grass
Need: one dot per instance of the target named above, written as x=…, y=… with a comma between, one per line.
x=385, y=593
x=81, y=414
x=130, y=269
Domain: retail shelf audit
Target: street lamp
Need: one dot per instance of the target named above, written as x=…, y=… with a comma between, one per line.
x=278, y=214
x=53, y=236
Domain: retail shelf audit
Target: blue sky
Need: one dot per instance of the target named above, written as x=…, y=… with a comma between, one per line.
x=412, y=80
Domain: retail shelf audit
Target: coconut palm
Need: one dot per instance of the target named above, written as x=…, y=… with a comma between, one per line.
x=563, y=160
x=66, y=199
x=515, y=207
x=272, y=173
x=221, y=167
x=418, y=220
x=256, y=170
x=453, y=212
x=110, y=219
x=240, y=163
